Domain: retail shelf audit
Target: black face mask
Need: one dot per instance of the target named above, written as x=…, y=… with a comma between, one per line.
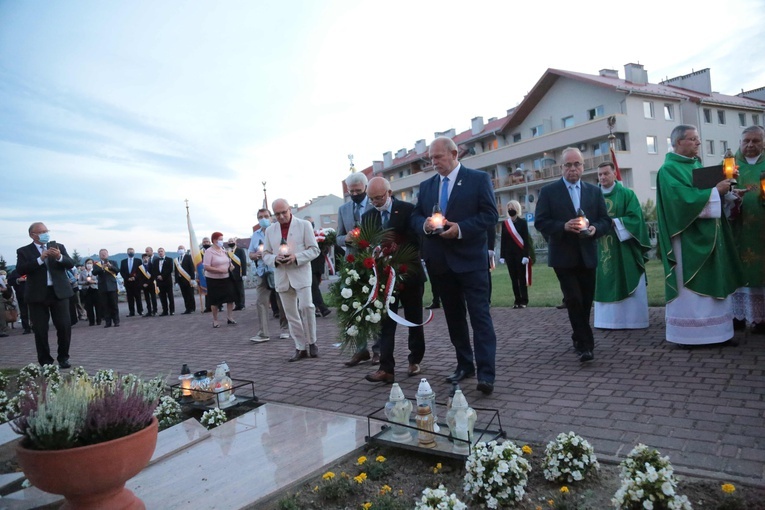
x=231, y=245
x=358, y=198
x=130, y=254
x=205, y=246
x=512, y=212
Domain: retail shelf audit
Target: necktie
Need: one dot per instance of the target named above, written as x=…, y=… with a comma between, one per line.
x=444, y=194
x=573, y=189
x=385, y=215
x=356, y=212
x=130, y=265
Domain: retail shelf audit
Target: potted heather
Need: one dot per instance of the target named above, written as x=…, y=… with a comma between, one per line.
x=85, y=437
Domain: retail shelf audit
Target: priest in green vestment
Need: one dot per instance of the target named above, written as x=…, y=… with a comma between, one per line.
x=701, y=264
x=749, y=232
x=621, y=300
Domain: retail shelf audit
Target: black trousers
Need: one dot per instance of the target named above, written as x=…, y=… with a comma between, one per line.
x=518, y=278
x=111, y=308
x=578, y=287
x=92, y=304
x=133, y=294
x=151, y=299
x=188, y=295
x=239, y=288
x=318, y=299
x=40, y=314
x=166, y=297
x=410, y=299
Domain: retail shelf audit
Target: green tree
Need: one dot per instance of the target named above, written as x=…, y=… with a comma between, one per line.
x=3, y=264
x=76, y=258
x=649, y=210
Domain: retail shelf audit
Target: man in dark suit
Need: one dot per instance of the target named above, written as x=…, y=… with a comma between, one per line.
x=129, y=272
x=457, y=258
x=47, y=292
x=162, y=270
x=148, y=285
x=239, y=258
x=184, y=275
x=106, y=271
x=572, y=250
x=396, y=215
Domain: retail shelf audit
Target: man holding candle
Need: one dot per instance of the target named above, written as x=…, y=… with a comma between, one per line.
x=572, y=248
x=290, y=246
x=701, y=265
x=749, y=232
x=264, y=280
x=456, y=258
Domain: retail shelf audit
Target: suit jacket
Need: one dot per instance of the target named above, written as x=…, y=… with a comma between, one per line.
x=346, y=221
x=146, y=279
x=400, y=223
x=239, y=272
x=187, y=263
x=107, y=281
x=166, y=273
x=37, y=274
x=471, y=205
x=302, y=243
x=130, y=274
x=555, y=208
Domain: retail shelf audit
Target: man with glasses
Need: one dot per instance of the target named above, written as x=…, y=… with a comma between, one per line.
x=572, y=249
x=47, y=291
x=701, y=265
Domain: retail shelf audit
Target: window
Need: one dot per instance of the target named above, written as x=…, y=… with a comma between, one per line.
x=596, y=112
x=568, y=121
x=326, y=219
x=538, y=164
x=669, y=143
x=721, y=116
x=516, y=137
x=600, y=149
x=650, y=142
x=755, y=119
x=707, y=116
x=723, y=146
x=654, y=175
x=742, y=119
x=710, y=146
x=648, y=109
x=537, y=130
x=669, y=112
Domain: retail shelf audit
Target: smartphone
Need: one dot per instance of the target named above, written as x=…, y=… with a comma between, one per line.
x=52, y=244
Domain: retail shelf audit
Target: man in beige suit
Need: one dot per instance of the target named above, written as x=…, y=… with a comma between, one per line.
x=289, y=247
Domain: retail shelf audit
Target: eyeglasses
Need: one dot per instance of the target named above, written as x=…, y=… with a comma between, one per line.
x=355, y=191
x=280, y=213
x=575, y=164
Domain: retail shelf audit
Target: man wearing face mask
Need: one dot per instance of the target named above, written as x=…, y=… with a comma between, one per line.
x=162, y=269
x=239, y=258
x=184, y=275
x=106, y=271
x=264, y=281
x=47, y=292
x=517, y=251
x=129, y=272
x=146, y=282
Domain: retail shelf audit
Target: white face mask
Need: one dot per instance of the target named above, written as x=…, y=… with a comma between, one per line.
x=88, y=266
x=181, y=253
x=219, y=243
x=384, y=206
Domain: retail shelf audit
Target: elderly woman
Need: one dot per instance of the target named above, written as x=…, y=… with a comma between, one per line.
x=517, y=251
x=220, y=286
x=88, y=283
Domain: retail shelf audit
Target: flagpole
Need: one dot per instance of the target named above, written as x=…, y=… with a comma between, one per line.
x=192, y=249
x=611, y=121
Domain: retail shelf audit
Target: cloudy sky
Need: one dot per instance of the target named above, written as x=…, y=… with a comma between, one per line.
x=113, y=113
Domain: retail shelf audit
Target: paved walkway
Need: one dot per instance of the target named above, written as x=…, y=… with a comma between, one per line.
x=703, y=407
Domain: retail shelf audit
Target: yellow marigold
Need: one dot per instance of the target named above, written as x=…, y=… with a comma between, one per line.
x=380, y=458
x=316, y=489
x=361, y=460
x=526, y=449
x=538, y=508
x=367, y=505
x=385, y=489
x=360, y=478
x=551, y=502
x=728, y=488
x=564, y=490
x=329, y=475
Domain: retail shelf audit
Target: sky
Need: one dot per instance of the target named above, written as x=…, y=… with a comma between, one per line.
x=112, y=114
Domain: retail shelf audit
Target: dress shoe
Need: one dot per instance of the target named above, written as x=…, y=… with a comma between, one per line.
x=116, y=324
x=515, y=307
x=299, y=355
x=131, y=315
x=317, y=314
x=313, y=350
x=433, y=306
x=230, y=321
x=284, y=335
x=148, y=314
x=187, y=312
x=29, y=331
x=561, y=306
x=485, y=387
x=522, y=306
x=259, y=338
x=326, y=312
x=64, y=364
x=586, y=356
x=414, y=369
x=375, y=358
x=381, y=376
x=164, y=314
x=4, y=335
x=758, y=328
x=108, y=325
x=739, y=325
x=358, y=358
x=459, y=375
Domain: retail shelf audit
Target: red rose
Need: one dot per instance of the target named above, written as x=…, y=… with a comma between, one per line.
x=403, y=268
x=350, y=258
x=369, y=262
x=363, y=244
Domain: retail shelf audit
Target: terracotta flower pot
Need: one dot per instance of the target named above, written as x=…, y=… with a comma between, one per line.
x=92, y=477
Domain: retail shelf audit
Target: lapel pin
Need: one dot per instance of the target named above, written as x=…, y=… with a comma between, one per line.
x=459, y=183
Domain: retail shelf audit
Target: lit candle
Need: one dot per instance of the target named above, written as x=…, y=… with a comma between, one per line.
x=437, y=220
x=762, y=188
x=729, y=164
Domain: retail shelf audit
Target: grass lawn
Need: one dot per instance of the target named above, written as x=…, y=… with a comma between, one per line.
x=545, y=290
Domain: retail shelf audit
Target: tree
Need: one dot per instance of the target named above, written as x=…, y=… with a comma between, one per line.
x=76, y=258
x=3, y=264
x=649, y=210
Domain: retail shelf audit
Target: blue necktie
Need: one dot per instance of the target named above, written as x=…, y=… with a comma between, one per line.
x=444, y=194
x=385, y=215
x=574, y=191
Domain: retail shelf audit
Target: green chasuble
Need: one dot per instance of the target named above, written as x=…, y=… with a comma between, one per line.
x=711, y=266
x=621, y=264
x=749, y=226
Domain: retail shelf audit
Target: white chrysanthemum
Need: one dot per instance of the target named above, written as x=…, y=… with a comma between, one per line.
x=352, y=331
x=365, y=289
x=348, y=280
x=344, y=307
x=346, y=293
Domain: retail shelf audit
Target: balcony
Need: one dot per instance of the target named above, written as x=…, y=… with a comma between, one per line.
x=546, y=174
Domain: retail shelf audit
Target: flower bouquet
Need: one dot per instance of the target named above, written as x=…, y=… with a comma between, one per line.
x=569, y=458
x=367, y=281
x=497, y=474
x=325, y=238
x=647, y=481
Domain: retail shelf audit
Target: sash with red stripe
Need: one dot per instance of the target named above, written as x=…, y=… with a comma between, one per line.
x=517, y=239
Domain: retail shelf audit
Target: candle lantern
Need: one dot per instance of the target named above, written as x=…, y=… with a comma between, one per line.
x=200, y=386
x=284, y=248
x=729, y=166
x=427, y=397
x=437, y=219
x=762, y=189
x=260, y=246
x=424, y=420
x=584, y=223
x=221, y=386
x=461, y=420
x=185, y=379
x=398, y=410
